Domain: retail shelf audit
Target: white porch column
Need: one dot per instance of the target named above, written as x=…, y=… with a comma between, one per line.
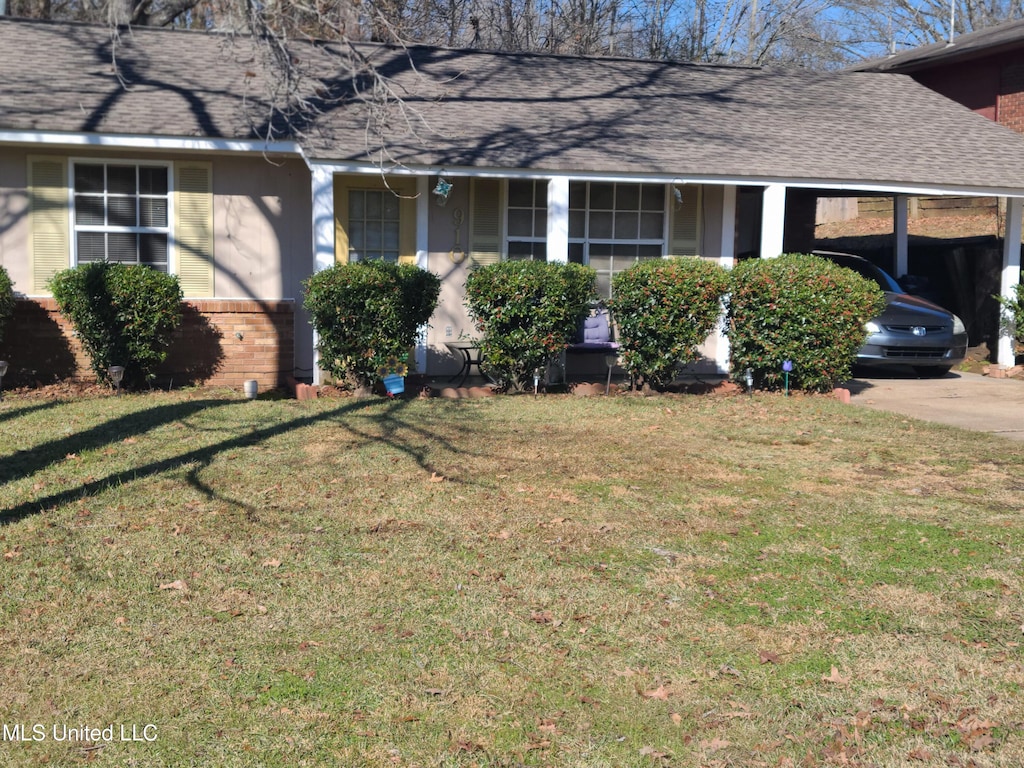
x=773, y=220
x=323, y=235
x=422, y=257
x=900, y=216
x=1010, y=274
x=726, y=257
x=558, y=219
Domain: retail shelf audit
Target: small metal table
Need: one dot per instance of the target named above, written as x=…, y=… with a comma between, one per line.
x=471, y=355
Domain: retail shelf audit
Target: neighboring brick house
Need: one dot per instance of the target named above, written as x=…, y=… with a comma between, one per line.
x=602, y=161
x=983, y=70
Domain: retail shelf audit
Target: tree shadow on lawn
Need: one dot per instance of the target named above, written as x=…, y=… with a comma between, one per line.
x=388, y=420
x=24, y=463
x=43, y=456
x=18, y=411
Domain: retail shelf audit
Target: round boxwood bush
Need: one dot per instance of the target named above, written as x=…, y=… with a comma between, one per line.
x=801, y=308
x=367, y=314
x=6, y=300
x=123, y=314
x=528, y=312
x=664, y=309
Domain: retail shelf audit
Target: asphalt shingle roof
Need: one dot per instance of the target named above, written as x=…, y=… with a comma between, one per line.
x=500, y=110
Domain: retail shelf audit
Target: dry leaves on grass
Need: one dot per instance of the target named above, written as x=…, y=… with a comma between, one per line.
x=655, y=754
x=713, y=745
x=661, y=693
x=835, y=678
x=177, y=584
x=545, y=617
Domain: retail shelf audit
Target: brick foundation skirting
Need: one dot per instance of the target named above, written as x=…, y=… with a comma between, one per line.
x=220, y=342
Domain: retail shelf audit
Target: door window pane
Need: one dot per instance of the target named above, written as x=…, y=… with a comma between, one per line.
x=374, y=230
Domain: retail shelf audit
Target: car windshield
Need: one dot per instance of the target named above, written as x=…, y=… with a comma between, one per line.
x=866, y=269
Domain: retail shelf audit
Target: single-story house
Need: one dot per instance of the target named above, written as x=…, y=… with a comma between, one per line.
x=160, y=147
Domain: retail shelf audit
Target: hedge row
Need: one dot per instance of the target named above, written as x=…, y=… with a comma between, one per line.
x=798, y=308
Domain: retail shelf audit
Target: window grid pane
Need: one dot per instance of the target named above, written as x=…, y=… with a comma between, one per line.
x=611, y=225
x=122, y=213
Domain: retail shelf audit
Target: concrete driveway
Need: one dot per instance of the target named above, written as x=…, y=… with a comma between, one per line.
x=965, y=400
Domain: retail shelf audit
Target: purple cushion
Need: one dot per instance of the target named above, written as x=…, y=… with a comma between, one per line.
x=595, y=334
x=595, y=329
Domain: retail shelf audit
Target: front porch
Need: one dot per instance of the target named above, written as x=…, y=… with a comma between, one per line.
x=607, y=222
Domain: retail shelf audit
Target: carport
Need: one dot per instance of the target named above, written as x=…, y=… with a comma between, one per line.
x=782, y=220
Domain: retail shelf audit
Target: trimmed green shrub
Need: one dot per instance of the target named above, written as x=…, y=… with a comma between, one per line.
x=124, y=314
x=528, y=312
x=800, y=308
x=6, y=300
x=664, y=310
x=367, y=312
x=1012, y=317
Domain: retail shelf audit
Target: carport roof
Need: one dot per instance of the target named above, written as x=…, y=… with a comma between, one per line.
x=493, y=111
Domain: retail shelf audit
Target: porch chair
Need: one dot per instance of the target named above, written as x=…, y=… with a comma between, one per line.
x=595, y=336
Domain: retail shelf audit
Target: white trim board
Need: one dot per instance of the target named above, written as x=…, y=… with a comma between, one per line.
x=140, y=142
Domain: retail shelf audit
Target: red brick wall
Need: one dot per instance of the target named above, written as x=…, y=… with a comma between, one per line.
x=40, y=345
x=1010, y=108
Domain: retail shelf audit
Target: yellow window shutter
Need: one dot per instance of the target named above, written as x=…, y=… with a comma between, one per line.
x=485, y=222
x=193, y=229
x=684, y=238
x=341, y=187
x=49, y=224
x=407, y=221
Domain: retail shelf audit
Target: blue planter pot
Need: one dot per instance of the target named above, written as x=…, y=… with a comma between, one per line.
x=395, y=385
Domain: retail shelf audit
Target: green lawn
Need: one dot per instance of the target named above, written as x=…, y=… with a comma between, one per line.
x=554, y=581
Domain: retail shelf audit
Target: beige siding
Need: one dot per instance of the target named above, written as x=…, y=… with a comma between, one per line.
x=14, y=230
x=262, y=220
x=451, y=316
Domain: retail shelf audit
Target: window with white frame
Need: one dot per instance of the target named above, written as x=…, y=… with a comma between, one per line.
x=373, y=225
x=527, y=220
x=614, y=225
x=122, y=213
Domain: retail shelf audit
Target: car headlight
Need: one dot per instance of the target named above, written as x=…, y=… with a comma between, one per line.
x=872, y=327
x=958, y=325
